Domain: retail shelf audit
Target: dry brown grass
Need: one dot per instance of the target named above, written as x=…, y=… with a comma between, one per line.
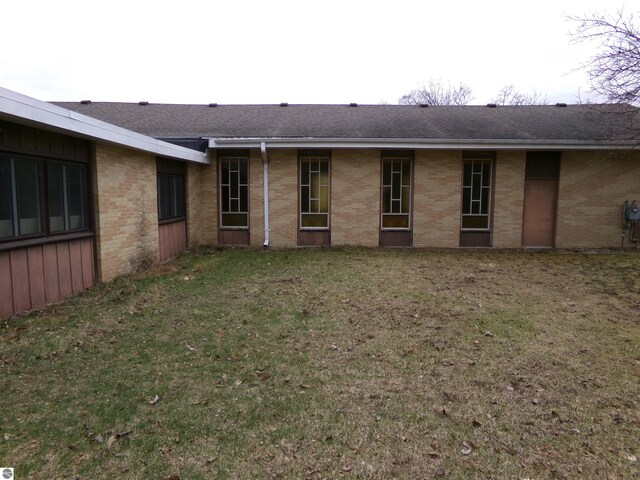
x=340, y=363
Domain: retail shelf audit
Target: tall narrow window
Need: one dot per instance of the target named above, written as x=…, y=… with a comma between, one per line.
x=6, y=199
x=476, y=194
x=27, y=196
x=67, y=196
x=396, y=191
x=171, y=191
x=314, y=190
x=234, y=191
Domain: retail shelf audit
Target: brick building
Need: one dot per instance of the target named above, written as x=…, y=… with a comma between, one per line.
x=89, y=191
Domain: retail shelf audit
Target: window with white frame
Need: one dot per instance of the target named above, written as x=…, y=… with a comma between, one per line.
x=314, y=190
x=234, y=191
x=396, y=191
x=476, y=194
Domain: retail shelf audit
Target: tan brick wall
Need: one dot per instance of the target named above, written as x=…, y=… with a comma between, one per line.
x=592, y=188
x=355, y=197
x=202, y=218
x=508, y=199
x=437, y=198
x=125, y=206
x=283, y=197
x=256, y=198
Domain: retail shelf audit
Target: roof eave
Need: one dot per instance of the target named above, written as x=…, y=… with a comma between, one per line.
x=23, y=109
x=418, y=143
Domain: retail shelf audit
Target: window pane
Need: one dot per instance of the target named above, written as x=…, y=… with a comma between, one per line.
x=28, y=195
x=485, y=201
x=234, y=220
x=304, y=199
x=324, y=171
x=481, y=221
x=315, y=221
x=164, y=198
x=244, y=199
x=315, y=185
x=244, y=190
x=466, y=200
x=386, y=173
x=476, y=187
x=304, y=173
x=395, y=183
x=486, y=174
x=324, y=199
x=244, y=168
x=466, y=181
x=55, y=173
x=6, y=201
x=225, y=198
x=234, y=177
x=171, y=196
x=477, y=167
x=475, y=207
x=395, y=221
x=180, y=208
x=406, y=194
x=406, y=173
x=224, y=172
x=386, y=200
x=235, y=206
x=315, y=206
x=76, y=197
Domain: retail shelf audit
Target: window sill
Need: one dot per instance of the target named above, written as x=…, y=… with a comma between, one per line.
x=11, y=245
x=171, y=220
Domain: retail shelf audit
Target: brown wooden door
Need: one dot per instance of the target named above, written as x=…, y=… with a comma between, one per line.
x=538, y=225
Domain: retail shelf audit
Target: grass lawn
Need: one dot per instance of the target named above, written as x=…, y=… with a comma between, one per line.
x=338, y=363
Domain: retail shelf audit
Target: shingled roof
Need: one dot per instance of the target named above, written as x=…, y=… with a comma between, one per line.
x=551, y=123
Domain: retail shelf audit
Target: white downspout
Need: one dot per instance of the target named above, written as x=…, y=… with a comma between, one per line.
x=265, y=187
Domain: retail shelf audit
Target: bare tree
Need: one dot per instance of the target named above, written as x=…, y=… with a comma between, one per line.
x=508, y=95
x=435, y=92
x=614, y=72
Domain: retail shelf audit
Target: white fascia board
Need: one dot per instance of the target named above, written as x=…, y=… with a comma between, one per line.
x=16, y=106
x=418, y=144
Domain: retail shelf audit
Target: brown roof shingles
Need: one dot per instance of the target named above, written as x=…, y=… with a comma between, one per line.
x=580, y=123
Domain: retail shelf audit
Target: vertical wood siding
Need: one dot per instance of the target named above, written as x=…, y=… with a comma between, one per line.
x=395, y=238
x=233, y=237
x=172, y=239
x=317, y=238
x=475, y=239
x=31, y=277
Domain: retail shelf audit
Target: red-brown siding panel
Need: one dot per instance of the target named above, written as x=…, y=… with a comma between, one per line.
x=75, y=258
x=6, y=287
x=88, y=276
x=20, y=278
x=64, y=269
x=233, y=237
x=317, y=238
x=36, y=276
x=51, y=283
x=394, y=238
x=172, y=239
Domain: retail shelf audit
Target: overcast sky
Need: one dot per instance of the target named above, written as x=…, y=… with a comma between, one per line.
x=271, y=51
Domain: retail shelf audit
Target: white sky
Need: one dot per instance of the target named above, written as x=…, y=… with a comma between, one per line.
x=271, y=51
